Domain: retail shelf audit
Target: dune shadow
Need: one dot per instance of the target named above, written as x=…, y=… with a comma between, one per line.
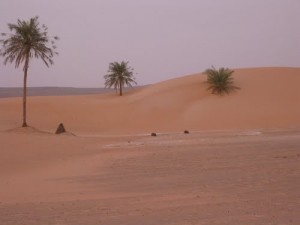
x=34, y=130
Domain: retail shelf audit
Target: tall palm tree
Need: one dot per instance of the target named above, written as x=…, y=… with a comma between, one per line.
x=119, y=74
x=27, y=40
x=220, y=81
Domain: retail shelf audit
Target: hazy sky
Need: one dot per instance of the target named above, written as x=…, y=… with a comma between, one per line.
x=161, y=39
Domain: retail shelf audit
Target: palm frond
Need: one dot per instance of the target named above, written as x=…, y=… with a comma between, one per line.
x=27, y=38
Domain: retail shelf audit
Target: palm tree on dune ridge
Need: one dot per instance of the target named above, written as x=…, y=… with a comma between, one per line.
x=119, y=75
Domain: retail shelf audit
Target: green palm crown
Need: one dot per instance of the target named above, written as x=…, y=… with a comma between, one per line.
x=220, y=81
x=119, y=75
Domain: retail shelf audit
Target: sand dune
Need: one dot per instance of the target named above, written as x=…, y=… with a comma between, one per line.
x=268, y=98
x=247, y=172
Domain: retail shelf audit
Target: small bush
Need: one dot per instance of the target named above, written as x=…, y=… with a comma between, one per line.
x=220, y=81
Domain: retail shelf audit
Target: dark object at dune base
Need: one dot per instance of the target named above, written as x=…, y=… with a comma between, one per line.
x=153, y=134
x=186, y=132
x=61, y=129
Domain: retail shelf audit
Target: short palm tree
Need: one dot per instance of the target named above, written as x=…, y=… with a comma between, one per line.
x=27, y=40
x=220, y=81
x=119, y=75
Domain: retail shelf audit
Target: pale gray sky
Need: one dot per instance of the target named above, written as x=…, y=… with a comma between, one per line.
x=162, y=39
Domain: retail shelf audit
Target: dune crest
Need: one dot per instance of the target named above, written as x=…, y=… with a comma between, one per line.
x=268, y=98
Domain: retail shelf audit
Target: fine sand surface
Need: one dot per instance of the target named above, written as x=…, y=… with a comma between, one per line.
x=239, y=165
x=201, y=178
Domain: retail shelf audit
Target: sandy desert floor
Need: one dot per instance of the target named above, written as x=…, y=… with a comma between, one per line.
x=245, y=177
x=240, y=164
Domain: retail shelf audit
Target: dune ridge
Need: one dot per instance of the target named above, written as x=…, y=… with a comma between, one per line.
x=268, y=99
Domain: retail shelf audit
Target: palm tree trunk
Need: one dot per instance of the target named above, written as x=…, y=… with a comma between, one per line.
x=25, y=91
x=121, y=89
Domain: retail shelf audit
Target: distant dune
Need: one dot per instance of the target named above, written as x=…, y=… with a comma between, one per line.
x=50, y=91
x=268, y=98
